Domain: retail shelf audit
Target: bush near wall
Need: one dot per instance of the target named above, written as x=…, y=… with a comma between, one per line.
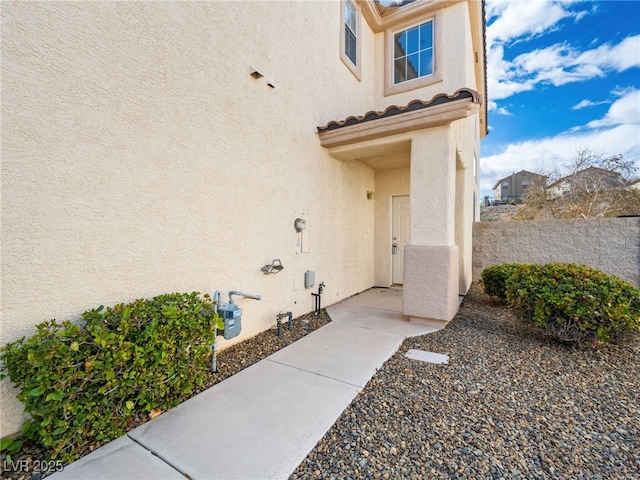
x=573, y=303
x=82, y=384
x=494, y=279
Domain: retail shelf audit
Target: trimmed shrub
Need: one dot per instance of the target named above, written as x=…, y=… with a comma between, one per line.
x=83, y=384
x=494, y=279
x=575, y=303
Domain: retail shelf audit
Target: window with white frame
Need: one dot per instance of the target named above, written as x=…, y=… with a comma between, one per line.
x=349, y=41
x=413, y=53
x=351, y=31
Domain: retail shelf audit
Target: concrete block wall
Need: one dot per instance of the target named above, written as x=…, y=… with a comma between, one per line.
x=609, y=244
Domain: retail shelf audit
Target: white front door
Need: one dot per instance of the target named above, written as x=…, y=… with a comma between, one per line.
x=399, y=236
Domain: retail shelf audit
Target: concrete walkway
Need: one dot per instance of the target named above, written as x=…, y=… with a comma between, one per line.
x=263, y=421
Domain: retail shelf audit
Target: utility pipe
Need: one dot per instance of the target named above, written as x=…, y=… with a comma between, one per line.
x=279, y=317
x=214, y=345
x=242, y=294
x=317, y=298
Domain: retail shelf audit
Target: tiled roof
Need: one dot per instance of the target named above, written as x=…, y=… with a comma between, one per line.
x=396, y=110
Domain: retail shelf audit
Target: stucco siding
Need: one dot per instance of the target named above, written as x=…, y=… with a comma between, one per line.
x=455, y=54
x=433, y=188
x=466, y=145
x=140, y=157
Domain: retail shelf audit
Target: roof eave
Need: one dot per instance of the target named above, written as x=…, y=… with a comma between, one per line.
x=400, y=14
x=438, y=115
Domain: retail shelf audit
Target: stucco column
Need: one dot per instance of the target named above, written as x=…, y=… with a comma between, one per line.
x=431, y=264
x=432, y=188
x=464, y=217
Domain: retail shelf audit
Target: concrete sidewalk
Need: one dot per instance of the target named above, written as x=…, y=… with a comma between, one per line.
x=263, y=421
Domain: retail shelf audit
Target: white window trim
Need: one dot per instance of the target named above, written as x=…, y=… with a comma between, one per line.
x=438, y=53
x=356, y=70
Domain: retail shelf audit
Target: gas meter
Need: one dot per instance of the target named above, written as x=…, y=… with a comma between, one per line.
x=231, y=314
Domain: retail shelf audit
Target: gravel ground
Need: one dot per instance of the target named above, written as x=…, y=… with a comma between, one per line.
x=510, y=404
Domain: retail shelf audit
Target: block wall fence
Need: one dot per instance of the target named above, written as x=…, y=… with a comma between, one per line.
x=609, y=244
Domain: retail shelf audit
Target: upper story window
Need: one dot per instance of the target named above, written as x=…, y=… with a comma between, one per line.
x=349, y=41
x=351, y=31
x=413, y=53
x=505, y=185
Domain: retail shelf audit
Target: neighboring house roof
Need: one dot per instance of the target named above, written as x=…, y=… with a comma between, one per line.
x=526, y=172
x=396, y=110
x=614, y=176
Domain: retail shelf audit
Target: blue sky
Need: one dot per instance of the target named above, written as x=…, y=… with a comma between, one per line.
x=562, y=75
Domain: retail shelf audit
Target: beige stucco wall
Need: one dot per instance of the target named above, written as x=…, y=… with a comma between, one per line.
x=467, y=144
x=139, y=158
x=442, y=186
x=432, y=241
x=457, y=60
x=433, y=187
x=609, y=244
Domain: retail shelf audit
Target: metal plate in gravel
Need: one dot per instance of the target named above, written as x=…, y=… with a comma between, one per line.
x=429, y=357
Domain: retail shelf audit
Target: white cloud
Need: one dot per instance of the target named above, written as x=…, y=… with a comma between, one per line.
x=558, y=64
x=545, y=154
x=513, y=22
x=622, y=91
x=580, y=15
x=499, y=84
x=502, y=111
x=493, y=108
x=517, y=19
x=618, y=57
x=510, y=21
x=542, y=59
x=587, y=103
x=625, y=110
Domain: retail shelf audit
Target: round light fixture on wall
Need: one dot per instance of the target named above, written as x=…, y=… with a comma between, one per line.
x=300, y=224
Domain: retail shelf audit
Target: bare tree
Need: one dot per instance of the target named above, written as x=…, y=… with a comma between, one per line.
x=589, y=185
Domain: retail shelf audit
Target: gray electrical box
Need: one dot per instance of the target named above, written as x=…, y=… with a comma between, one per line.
x=231, y=314
x=309, y=279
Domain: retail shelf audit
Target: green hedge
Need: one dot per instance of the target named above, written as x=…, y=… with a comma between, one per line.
x=82, y=384
x=494, y=279
x=573, y=303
